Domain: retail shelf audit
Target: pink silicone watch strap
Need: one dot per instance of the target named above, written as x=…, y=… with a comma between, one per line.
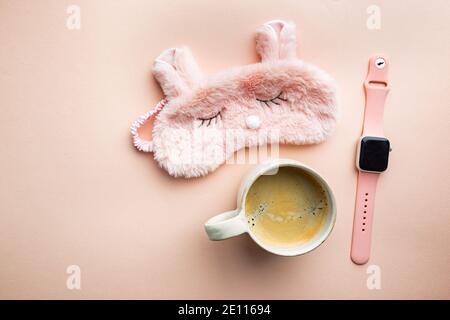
x=376, y=88
x=362, y=223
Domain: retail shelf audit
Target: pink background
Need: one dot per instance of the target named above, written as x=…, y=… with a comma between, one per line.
x=74, y=191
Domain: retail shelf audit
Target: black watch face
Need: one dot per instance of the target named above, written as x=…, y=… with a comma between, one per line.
x=374, y=154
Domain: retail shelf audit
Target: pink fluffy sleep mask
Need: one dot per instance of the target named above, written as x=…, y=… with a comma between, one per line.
x=203, y=120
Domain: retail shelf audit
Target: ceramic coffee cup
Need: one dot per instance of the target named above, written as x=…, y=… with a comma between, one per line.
x=236, y=222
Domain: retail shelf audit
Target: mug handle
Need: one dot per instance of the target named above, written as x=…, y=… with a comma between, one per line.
x=225, y=225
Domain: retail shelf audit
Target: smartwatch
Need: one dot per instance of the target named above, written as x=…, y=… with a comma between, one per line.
x=372, y=157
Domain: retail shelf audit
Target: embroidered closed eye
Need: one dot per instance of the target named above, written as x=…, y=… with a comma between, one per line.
x=208, y=121
x=274, y=101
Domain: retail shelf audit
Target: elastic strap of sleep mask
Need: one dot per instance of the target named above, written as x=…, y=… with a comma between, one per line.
x=139, y=143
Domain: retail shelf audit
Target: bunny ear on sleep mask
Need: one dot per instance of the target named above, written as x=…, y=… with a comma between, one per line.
x=203, y=120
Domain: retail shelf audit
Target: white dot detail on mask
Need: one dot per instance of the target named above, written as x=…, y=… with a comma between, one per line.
x=253, y=122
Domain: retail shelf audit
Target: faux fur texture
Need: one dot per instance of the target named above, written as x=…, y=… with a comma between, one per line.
x=293, y=99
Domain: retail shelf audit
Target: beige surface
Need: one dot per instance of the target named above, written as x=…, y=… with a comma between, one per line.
x=74, y=191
